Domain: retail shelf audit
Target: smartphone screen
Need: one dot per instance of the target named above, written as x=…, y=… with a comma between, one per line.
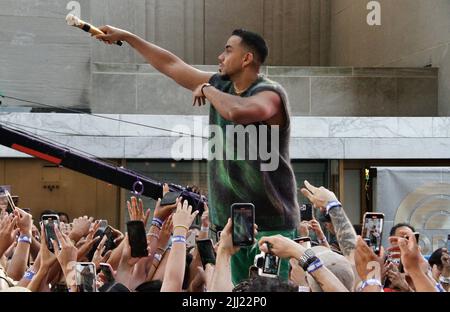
x=137, y=239
x=49, y=222
x=103, y=225
x=271, y=266
x=86, y=277
x=243, y=216
x=372, y=230
x=304, y=241
x=109, y=244
x=306, y=212
x=206, y=251
x=107, y=272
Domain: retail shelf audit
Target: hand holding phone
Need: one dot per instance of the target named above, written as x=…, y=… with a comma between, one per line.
x=268, y=264
x=243, y=216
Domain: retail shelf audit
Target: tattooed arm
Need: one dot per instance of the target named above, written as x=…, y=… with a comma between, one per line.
x=320, y=197
x=345, y=233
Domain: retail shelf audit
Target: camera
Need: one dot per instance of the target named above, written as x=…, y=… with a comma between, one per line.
x=268, y=265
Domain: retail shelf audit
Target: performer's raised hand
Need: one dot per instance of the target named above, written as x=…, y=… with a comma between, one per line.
x=112, y=34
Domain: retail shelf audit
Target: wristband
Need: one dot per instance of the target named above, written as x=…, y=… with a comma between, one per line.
x=161, y=249
x=444, y=280
x=153, y=235
x=157, y=257
x=204, y=229
x=439, y=288
x=304, y=289
x=317, y=264
x=24, y=239
x=370, y=282
x=322, y=241
x=179, y=239
x=181, y=226
x=332, y=204
x=307, y=259
x=29, y=274
x=156, y=224
x=157, y=221
x=206, y=85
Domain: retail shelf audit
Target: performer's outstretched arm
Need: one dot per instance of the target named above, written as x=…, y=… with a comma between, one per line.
x=162, y=60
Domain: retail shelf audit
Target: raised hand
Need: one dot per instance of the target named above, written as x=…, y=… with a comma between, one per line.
x=80, y=227
x=67, y=256
x=24, y=221
x=184, y=216
x=8, y=233
x=368, y=264
x=281, y=246
x=136, y=210
x=112, y=34
x=98, y=258
x=318, y=196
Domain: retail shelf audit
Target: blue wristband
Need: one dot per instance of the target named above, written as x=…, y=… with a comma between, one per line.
x=315, y=266
x=179, y=239
x=24, y=239
x=439, y=287
x=158, y=221
x=29, y=275
x=370, y=282
x=333, y=204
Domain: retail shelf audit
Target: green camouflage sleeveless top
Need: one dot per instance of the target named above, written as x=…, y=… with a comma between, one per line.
x=273, y=192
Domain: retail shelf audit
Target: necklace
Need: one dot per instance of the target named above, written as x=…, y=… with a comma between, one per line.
x=237, y=91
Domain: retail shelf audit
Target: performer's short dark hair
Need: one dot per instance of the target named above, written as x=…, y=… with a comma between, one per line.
x=254, y=42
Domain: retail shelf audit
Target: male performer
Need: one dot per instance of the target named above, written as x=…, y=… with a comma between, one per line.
x=238, y=96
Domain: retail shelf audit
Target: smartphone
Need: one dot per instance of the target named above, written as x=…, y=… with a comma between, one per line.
x=253, y=272
x=49, y=221
x=86, y=276
x=107, y=272
x=243, y=216
x=206, y=251
x=170, y=198
x=306, y=212
x=218, y=233
x=372, y=230
x=270, y=266
x=137, y=239
x=448, y=243
x=109, y=244
x=304, y=241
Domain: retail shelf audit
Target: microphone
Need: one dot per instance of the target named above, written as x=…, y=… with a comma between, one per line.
x=74, y=21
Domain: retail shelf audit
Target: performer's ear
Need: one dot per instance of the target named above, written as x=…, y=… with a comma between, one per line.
x=248, y=59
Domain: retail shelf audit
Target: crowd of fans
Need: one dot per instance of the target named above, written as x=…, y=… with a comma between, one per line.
x=344, y=263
